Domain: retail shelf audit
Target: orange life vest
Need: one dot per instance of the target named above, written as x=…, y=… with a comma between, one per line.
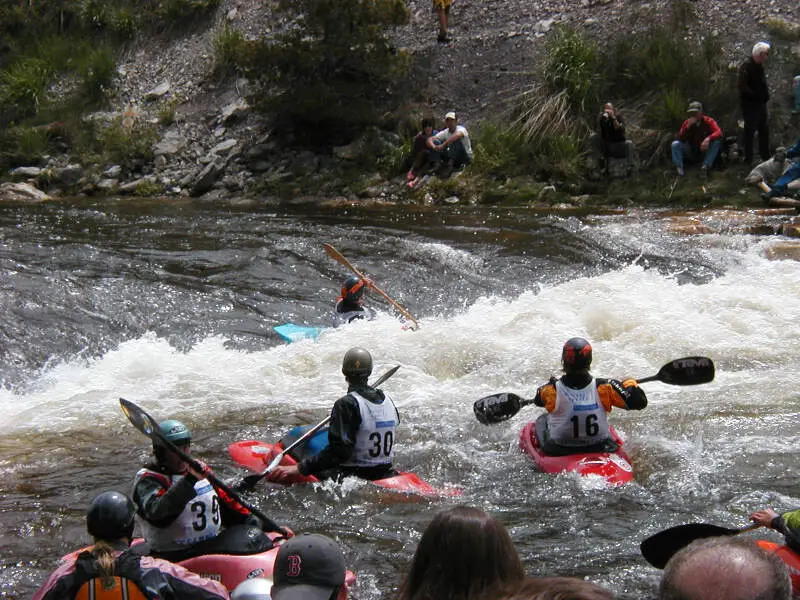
x=122, y=589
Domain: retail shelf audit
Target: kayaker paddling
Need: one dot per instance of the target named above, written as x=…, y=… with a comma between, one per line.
x=362, y=430
x=350, y=304
x=788, y=524
x=182, y=511
x=111, y=569
x=577, y=404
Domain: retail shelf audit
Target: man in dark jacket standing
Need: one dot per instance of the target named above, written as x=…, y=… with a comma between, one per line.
x=754, y=94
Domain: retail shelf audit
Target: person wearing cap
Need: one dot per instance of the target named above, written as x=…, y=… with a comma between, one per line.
x=452, y=143
x=309, y=567
x=350, y=304
x=699, y=140
x=182, y=513
x=113, y=569
x=753, y=96
x=361, y=434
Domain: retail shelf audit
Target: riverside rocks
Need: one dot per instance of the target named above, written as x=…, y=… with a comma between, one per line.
x=492, y=59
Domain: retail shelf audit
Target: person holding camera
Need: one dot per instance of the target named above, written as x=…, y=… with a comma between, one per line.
x=609, y=141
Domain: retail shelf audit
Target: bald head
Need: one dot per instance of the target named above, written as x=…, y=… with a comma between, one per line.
x=725, y=569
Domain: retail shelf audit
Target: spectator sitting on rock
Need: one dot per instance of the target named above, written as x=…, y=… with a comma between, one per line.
x=422, y=158
x=453, y=146
x=699, y=139
x=609, y=140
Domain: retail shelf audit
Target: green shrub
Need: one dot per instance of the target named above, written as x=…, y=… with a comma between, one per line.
x=336, y=72
x=97, y=71
x=571, y=65
x=499, y=151
x=148, y=188
x=23, y=146
x=230, y=49
x=166, y=112
x=22, y=88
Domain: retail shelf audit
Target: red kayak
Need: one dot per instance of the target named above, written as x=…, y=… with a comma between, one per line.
x=256, y=456
x=614, y=467
x=232, y=569
x=790, y=558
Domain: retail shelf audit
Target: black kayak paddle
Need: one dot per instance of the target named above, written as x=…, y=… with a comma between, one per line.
x=659, y=548
x=691, y=370
x=148, y=426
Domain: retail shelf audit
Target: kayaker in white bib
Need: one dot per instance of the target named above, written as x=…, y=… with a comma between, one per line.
x=577, y=404
x=180, y=511
x=350, y=305
x=362, y=430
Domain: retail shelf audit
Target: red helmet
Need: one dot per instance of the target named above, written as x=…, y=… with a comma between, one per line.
x=576, y=355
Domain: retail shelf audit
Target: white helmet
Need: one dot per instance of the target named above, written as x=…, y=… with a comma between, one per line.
x=252, y=589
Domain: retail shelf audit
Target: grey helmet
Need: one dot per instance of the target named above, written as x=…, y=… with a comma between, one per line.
x=357, y=362
x=252, y=589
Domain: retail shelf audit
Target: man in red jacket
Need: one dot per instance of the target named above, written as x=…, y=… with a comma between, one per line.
x=699, y=139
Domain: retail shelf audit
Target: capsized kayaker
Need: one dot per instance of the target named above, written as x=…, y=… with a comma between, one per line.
x=361, y=433
x=788, y=524
x=350, y=304
x=577, y=404
x=183, y=514
x=112, y=569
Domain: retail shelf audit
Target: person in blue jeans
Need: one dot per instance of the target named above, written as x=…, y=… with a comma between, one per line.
x=781, y=187
x=699, y=139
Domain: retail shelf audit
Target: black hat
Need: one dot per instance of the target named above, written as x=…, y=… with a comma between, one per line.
x=308, y=567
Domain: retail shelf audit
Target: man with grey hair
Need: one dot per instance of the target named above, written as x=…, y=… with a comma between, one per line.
x=724, y=568
x=754, y=94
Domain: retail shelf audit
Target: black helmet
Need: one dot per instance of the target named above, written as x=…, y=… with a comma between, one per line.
x=352, y=288
x=110, y=516
x=357, y=361
x=576, y=355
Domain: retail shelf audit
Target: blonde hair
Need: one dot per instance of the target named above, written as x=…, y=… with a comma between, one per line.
x=104, y=554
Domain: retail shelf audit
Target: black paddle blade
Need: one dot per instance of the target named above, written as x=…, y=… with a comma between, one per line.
x=659, y=548
x=690, y=370
x=249, y=482
x=139, y=419
x=497, y=408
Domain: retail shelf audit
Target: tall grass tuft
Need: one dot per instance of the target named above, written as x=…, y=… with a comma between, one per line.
x=22, y=88
x=570, y=66
x=230, y=48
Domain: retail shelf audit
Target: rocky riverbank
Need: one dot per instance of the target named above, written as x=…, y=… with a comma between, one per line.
x=211, y=144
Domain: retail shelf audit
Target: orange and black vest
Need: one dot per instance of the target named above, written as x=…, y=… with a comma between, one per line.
x=127, y=575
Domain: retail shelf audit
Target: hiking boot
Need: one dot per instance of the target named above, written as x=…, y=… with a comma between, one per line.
x=680, y=171
x=704, y=171
x=443, y=38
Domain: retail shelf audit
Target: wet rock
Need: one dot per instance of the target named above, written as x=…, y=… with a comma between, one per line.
x=21, y=192
x=113, y=171
x=107, y=184
x=25, y=173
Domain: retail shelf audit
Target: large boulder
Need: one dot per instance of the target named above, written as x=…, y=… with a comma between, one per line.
x=21, y=192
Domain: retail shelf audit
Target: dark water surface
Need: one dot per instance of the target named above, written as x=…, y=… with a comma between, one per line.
x=171, y=304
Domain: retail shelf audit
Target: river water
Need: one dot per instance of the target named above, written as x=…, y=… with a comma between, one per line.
x=171, y=305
